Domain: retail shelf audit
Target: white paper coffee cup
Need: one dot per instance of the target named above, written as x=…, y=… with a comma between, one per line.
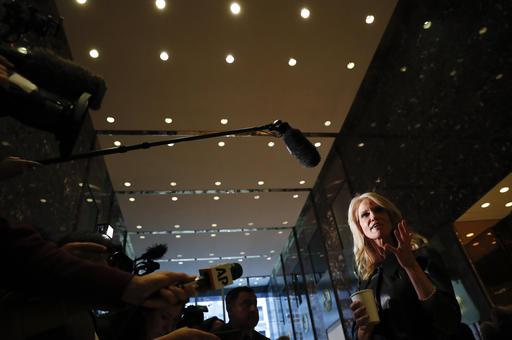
x=367, y=298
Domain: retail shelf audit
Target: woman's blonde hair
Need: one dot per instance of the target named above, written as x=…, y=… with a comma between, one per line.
x=365, y=251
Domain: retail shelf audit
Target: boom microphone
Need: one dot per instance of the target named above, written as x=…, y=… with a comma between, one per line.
x=218, y=276
x=298, y=145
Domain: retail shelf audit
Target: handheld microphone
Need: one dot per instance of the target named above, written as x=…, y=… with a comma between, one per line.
x=298, y=145
x=219, y=276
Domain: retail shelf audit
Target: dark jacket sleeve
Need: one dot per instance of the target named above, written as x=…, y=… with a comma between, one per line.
x=442, y=306
x=38, y=266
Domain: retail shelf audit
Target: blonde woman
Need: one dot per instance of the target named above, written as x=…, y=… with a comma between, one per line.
x=413, y=291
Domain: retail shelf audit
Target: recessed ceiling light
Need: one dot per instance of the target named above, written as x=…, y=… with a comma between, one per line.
x=256, y=197
x=221, y=144
x=22, y=50
x=139, y=227
x=178, y=236
x=168, y=120
x=218, y=183
x=212, y=254
x=271, y=144
x=213, y=235
x=210, y=261
x=318, y=144
x=240, y=260
x=173, y=184
x=493, y=242
x=296, y=196
x=403, y=69
x=285, y=222
x=81, y=2
x=247, y=234
x=216, y=198
x=214, y=225
x=170, y=144
x=504, y=189
x=351, y=65
x=174, y=198
x=470, y=234
x=142, y=237
x=489, y=234
x=475, y=244
x=43, y=200
x=131, y=199
x=292, y=62
x=261, y=182
x=117, y=143
x=327, y=123
x=427, y=25
x=164, y=56
x=485, y=205
x=272, y=251
x=127, y=184
x=160, y=4
x=302, y=182
x=230, y=59
x=269, y=258
x=499, y=76
x=80, y=184
x=180, y=262
x=242, y=253
x=280, y=232
x=250, y=223
x=508, y=205
x=235, y=8
x=89, y=200
x=223, y=121
x=482, y=30
x=370, y=19
x=305, y=13
x=94, y=53
x=176, y=226
x=179, y=256
x=360, y=145
x=110, y=120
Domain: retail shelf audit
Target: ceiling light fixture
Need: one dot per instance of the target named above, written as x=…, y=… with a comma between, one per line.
x=178, y=236
x=360, y=145
x=174, y=198
x=285, y=222
x=173, y=184
x=242, y=253
x=230, y=59
x=81, y=2
x=318, y=144
x=272, y=251
x=127, y=184
x=216, y=198
x=218, y=183
x=305, y=13
x=296, y=196
x=351, y=65
x=139, y=227
x=427, y=25
x=164, y=56
x=213, y=235
x=117, y=143
x=256, y=197
x=176, y=226
x=223, y=121
x=180, y=262
x=327, y=123
x=214, y=224
x=504, y=190
x=94, y=53
x=247, y=234
x=235, y=8
x=292, y=62
x=271, y=144
x=250, y=223
x=302, y=182
x=475, y=244
x=168, y=120
x=280, y=232
x=470, y=234
x=261, y=182
x=160, y=4
x=142, y=237
x=43, y=200
x=110, y=120
x=508, y=204
x=89, y=200
x=221, y=144
x=369, y=19
x=170, y=144
x=131, y=199
x=485, y=205
x=269, y=258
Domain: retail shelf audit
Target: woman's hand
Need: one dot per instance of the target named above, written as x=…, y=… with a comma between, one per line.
x=364, y=330
x=403, y=251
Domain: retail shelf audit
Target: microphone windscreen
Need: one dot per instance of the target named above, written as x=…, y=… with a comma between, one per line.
x=236, y=271
x=301, y=147
x=155, y=252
